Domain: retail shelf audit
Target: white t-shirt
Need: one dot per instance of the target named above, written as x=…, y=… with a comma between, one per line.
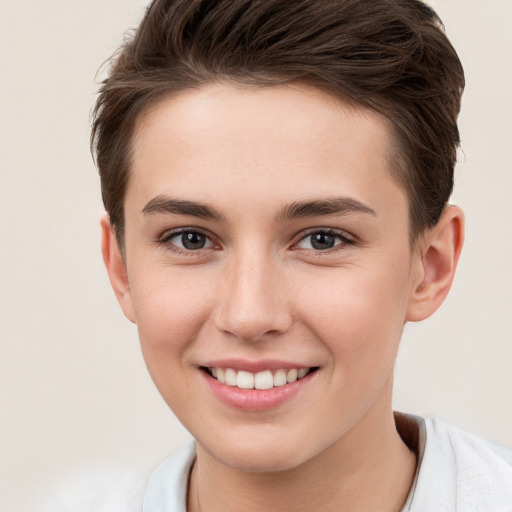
x=457, y=472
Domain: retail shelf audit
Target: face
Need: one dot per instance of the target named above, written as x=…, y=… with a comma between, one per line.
x=267, y=246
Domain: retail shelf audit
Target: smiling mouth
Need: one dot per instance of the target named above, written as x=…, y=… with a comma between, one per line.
x=266, y=379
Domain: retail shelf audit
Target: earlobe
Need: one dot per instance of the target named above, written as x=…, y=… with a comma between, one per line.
x=440, y=253
x=116, y=268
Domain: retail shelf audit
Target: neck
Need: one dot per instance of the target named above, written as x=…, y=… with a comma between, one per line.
x=352, y=475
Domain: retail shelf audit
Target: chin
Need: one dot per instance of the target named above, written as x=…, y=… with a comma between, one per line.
x=257, y=455
x=259, y=461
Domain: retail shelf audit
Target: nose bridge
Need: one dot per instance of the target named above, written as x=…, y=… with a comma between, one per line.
x=253, y=303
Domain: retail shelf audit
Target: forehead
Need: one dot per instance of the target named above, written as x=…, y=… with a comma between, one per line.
x=225, y=140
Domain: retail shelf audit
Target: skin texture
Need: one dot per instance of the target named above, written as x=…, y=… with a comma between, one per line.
x=259, y=290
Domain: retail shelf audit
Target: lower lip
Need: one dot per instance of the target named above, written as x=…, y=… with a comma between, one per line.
x=256, y=399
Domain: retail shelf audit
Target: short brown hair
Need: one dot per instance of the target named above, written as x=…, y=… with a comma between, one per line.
x=389, y=55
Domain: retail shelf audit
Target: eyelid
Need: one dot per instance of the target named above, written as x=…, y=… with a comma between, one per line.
x=166, y=236
x=343, y=236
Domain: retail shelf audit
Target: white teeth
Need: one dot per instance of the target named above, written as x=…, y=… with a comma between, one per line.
x=261, y=380
x=230, y=377
x=245, y=380
x=291, y=376
x=264, y=380
x=280, y=378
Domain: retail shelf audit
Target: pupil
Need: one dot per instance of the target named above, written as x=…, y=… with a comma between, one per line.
x=322, y=241
x=193, y=240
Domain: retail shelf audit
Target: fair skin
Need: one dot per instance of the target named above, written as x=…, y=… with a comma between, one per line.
x=265, y=233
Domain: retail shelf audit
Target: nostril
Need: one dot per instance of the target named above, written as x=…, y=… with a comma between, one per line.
x=250, y=304
x=253, y=324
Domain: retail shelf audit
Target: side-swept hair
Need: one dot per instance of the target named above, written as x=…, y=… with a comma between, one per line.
x=389, y=55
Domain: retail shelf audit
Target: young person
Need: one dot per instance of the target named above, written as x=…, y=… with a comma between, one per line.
x=276, y=177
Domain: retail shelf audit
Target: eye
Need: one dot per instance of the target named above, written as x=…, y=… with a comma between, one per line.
x=188, y=240
x=323, y=240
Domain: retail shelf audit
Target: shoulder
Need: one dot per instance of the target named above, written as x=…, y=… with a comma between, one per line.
x=439, y=430
x=109, y=487
x=167, y=487
x=463, y=448
x=461, y=472
x=96, y=487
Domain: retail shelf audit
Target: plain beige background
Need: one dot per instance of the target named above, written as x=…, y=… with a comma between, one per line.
x=74, y=392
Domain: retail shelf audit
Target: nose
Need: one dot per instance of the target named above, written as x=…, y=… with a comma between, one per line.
x=253, y=303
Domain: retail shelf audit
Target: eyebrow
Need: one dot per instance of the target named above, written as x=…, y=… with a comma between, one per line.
x=331, y=206
x=298, y=209
x=163, y=204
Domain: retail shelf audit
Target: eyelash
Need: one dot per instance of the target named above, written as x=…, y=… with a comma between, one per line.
x=165, y=240
x=342, y=237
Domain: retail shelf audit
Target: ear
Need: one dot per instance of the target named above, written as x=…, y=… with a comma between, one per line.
x=116, y=268
x=437, y=260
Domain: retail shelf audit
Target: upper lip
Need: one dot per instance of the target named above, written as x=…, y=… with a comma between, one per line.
x=255, y=366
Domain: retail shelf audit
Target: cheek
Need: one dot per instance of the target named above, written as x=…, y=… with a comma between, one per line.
x=170, y=311
x=170, y=308
x=358, y=313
